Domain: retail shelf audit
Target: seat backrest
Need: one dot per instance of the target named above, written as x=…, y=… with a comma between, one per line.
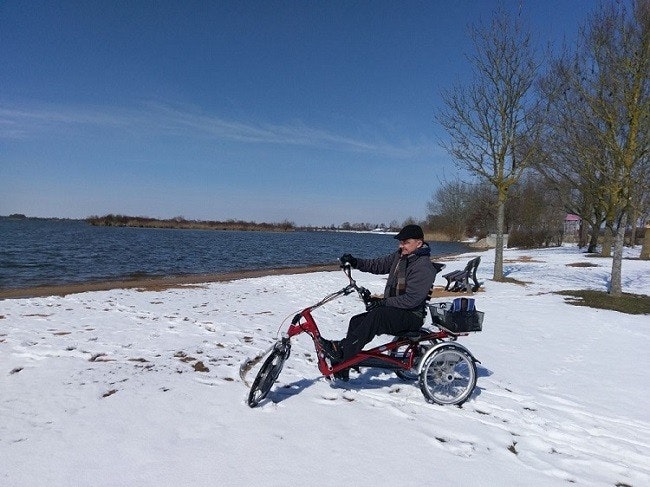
x=438, y=267
x=430, y=295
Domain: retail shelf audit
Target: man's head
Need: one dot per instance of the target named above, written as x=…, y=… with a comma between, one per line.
x=411, y=238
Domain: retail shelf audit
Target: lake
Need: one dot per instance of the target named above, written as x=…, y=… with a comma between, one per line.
x=47, y=252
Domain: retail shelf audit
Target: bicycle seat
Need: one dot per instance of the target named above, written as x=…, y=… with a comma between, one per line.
x=414, y=335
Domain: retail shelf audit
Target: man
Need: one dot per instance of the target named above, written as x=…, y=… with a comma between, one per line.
x=401, y=309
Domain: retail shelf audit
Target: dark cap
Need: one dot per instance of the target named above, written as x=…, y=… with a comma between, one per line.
x=410, y=231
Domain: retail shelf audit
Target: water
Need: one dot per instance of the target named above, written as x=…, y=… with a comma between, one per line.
x=45, y=252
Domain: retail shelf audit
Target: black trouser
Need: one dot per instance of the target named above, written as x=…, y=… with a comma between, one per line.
x=384, y=320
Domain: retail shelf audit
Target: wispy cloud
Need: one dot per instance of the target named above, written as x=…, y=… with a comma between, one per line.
x=155, y=118
x=23, y=122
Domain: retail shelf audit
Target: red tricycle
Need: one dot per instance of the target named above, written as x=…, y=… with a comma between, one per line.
x=444, y=369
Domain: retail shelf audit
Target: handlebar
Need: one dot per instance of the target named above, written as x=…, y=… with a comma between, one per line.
x=364, y=293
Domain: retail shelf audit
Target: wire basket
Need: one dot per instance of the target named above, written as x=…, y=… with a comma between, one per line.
x=456, y=321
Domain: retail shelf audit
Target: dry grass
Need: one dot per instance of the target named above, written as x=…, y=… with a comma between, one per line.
x=436, y=237
x=513, y=281
x=523, y=258
x=582, y=264
x=637, y=304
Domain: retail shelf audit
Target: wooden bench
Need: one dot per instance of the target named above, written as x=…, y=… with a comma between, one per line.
x=460, y=280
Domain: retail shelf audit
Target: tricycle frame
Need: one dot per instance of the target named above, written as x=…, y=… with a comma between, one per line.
x=413, y=351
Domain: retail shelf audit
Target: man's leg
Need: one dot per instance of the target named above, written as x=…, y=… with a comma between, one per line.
x=380, y=321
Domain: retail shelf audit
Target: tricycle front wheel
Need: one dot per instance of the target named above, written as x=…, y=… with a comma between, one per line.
x=448, y=376
x=268, y=374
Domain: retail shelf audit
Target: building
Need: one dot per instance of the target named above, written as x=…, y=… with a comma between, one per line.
x=572, y=228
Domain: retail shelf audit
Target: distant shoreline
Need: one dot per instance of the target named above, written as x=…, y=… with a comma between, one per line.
x=182, y=223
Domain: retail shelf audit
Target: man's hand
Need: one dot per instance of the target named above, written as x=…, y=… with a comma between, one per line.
x=347, y=259
x=375, y=303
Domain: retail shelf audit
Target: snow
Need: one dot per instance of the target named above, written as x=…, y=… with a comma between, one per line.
x=105, y=388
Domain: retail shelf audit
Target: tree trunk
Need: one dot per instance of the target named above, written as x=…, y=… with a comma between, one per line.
x=583, y=234
x=593, y=239
x=498, y=251
x=615, y=287
x=634, y=218
x=606, y=250
x=632, y=241
x=645, y=249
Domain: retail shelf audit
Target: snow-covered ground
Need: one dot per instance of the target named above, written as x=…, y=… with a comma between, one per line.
x=129, y=388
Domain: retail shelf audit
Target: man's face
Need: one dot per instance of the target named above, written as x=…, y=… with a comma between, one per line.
x=408, y=246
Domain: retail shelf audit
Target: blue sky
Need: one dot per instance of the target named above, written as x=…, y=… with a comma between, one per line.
x=316, y=112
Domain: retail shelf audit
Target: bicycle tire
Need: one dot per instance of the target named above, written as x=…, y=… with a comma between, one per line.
x=448, y=376
x=267, y=376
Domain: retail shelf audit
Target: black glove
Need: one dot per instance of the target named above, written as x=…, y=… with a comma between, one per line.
x=347, y=259
x=374, y=303
x=366, y=296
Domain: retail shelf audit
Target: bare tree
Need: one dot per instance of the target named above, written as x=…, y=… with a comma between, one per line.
x=568, y=152
x=600, y=109
x=448, y=209
x=534, y=214
x=482, y=214
x=486, y=118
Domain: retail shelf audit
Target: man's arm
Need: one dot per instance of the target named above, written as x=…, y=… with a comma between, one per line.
x=380, y=265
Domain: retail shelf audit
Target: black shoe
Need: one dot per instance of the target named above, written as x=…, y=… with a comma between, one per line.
x=334, y=352
x=343, y=375
x=332, y=349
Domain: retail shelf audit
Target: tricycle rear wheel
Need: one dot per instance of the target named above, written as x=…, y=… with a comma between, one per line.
x=448, y=376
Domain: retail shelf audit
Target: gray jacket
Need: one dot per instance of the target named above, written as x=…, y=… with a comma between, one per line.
x=420, y=275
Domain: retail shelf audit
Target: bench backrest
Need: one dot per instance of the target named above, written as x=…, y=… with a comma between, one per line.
x=473, y=264
x=471, y=271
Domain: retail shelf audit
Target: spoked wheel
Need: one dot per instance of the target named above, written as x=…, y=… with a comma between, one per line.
x=448, y=376
x=268, y=373
x=411, y=375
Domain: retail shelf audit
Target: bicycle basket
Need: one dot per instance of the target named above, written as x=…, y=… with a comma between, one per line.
x=456, y=321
